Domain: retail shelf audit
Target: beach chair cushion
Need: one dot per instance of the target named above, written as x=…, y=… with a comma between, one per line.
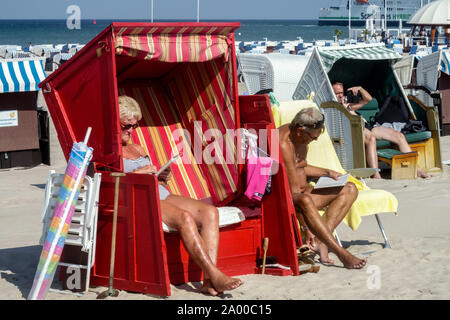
x=176, y=111
x=156, y=136
x=206, y=105
x=321, y=153
x=227, y=216
x=369, y=110
x=410, y=138
x=388, y=153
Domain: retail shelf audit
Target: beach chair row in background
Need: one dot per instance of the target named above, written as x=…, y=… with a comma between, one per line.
x=54, y=56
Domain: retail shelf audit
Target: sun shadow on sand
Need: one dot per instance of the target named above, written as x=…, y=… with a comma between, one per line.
x=18, y=266
x=39, y=185
x=348, y=244
x=196, y=286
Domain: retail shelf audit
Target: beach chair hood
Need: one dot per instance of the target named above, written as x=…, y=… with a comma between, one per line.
x=366, y=66
x=316, y=77
x=84, y=92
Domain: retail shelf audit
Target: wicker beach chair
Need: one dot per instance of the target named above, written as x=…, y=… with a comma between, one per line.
x=279, y=72
x=370, y=66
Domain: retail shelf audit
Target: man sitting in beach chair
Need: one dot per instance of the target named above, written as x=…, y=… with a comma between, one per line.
x=360, y=99
x=294, y=138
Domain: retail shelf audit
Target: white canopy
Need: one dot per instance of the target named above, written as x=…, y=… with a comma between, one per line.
x=435, y=13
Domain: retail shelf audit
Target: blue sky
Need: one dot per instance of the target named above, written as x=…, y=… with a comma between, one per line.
x=164, y=9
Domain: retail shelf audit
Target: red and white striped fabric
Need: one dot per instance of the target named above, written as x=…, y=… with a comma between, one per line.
x=194, y=96
x=174, y=43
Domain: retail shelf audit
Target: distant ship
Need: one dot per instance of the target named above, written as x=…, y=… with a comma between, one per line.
x=361, y=10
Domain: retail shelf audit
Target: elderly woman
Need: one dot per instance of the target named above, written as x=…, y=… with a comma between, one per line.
x=196, y=221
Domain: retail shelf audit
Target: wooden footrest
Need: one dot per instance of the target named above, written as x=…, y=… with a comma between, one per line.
x=404, y=165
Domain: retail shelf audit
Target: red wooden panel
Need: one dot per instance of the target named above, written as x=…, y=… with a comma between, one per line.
x=279, y=218
x=140, y=260
x=239, y=247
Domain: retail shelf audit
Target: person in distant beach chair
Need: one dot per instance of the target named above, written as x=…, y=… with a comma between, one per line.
x=372, y=134
x=294, y=138
x=186, y=215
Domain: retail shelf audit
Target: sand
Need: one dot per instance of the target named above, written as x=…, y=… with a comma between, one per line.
x=416, y=267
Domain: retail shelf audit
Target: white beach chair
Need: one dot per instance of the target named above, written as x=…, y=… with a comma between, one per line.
x=3, y=52
x=83, y=228
x=272, y=71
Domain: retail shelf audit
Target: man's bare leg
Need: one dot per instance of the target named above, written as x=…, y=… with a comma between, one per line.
x=321, y=230
x=370, y=143
x=185, y=223
x=338, y=202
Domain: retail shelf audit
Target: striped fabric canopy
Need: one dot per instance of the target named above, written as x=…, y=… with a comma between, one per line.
x=375, y=52
x=21, y=75
x=174, y=43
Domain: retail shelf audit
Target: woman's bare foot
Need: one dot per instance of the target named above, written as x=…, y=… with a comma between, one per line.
x=222, y=282
x=208, y=288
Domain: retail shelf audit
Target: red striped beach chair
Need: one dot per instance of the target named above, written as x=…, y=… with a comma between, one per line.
x=184, y=78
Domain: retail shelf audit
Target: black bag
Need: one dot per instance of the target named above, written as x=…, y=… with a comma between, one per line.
x=393, y=110
x=413, y=126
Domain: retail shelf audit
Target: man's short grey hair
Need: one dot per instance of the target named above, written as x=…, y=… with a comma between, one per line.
x=309, y=117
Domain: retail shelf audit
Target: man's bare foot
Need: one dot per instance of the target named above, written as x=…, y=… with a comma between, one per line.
x=322, y=250
x=352, y=262
x=208, y=288
x=423, y=174
x=222, y=282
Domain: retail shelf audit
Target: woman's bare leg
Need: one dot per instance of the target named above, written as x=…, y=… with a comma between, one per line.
x=187, y=216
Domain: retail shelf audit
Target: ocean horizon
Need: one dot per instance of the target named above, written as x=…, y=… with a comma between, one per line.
x=55, y=31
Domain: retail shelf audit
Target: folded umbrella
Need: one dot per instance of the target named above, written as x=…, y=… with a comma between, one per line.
x=53, y=246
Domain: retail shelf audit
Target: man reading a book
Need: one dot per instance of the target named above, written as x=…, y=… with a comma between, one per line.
x=306, y=127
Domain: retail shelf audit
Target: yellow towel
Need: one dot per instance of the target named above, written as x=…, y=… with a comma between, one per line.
x=321, y=153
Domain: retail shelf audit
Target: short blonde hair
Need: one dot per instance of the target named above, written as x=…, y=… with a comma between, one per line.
x=129, y=108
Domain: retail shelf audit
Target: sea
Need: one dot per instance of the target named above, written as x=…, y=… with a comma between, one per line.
x=24, y=32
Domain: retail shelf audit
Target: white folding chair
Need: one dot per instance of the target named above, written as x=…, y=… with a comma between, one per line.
x=83, y=228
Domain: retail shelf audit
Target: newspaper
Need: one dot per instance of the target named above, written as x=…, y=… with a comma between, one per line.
x=327, y=182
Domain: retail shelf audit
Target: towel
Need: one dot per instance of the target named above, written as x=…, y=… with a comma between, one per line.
x=258, y=174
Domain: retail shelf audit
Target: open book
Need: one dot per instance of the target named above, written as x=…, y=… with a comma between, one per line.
x=167, y=164
x=327, y=182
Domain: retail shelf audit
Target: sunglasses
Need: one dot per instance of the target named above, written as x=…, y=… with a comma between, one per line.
x=128, y=126
x=311, y=136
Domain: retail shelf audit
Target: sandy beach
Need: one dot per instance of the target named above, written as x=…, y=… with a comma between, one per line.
x=416, y=267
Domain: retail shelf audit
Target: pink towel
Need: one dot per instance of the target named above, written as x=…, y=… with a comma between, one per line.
x=258, y=173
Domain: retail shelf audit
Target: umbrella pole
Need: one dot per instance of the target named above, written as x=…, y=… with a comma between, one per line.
x=111, y=292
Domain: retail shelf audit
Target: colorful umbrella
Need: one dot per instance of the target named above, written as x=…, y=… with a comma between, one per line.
x=79, y=159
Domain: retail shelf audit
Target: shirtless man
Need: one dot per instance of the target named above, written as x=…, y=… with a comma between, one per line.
x=371, y=135
x=307, y=126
